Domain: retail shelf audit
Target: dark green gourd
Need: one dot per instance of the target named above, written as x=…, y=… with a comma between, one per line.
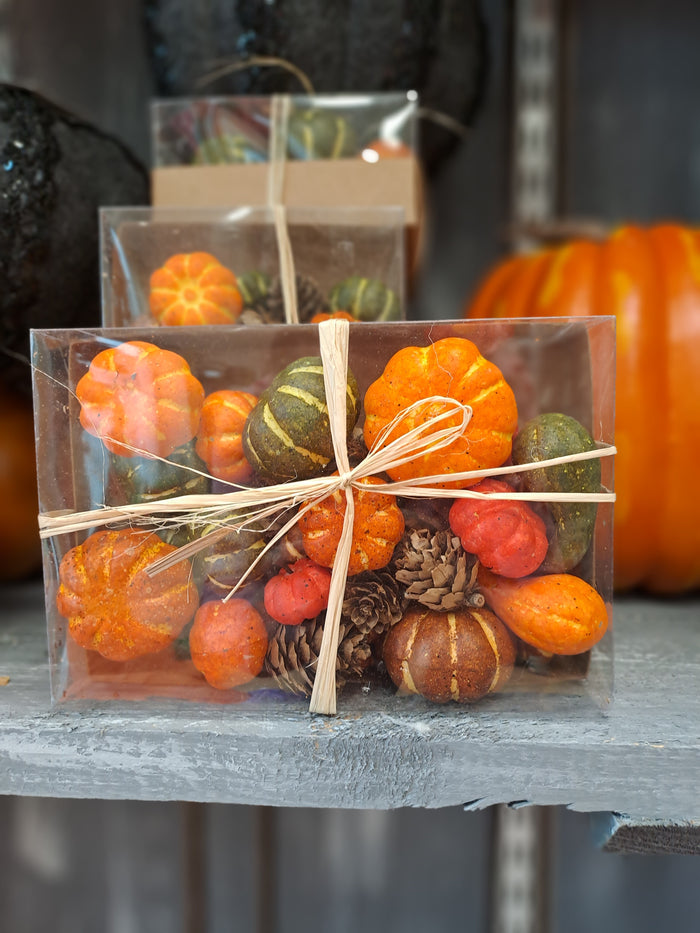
x=571, y=532
x=142, y=479
x=365, y=299
x=287, y=435
x=230, y=554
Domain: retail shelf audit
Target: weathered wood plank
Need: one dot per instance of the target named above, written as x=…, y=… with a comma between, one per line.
x=641, y=757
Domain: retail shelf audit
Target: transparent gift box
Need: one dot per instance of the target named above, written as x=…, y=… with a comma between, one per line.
x=189, y=266
x=194, y=484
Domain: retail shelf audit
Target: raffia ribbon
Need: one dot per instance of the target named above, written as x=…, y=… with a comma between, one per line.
x=268, y=502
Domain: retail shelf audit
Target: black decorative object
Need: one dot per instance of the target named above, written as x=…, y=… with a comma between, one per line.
x=55, y=172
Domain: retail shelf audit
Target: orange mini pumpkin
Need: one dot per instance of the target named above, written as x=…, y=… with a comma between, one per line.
x=332, y=316
x=137, y=397
x=228, y=642
x=219, y=440
x=194, y=288
x=557, y=613
x=377, y=529
x=452, y=367
x=113, y=606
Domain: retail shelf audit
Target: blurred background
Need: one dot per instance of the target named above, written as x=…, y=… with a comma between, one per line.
x=559, y=109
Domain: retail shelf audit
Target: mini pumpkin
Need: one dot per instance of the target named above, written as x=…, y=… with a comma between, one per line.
x=449, y=656
x=297, y=593
x=558, y=613
x=507, y=536
x=377, y=528
x=365, y=299
x=113, y=606
x=143, y=479
x=287, y=435
x=219, y=439
x=380, y=149
x=254, y=287
x=332, y=315
x=139, y=398
x=454, y=368
x=194, y=288
x=229, y=555
x=228, y=642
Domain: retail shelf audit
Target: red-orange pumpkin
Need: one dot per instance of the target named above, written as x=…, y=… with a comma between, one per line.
x=297, y=593
x=137, y=397
x=228, y=642
x=650, y=280
x=194, y=288
x=219, y=439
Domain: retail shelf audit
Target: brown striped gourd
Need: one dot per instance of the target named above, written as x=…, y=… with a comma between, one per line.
x=287, y=435
x=571, y=524
x=320, y=134
x=365, y=299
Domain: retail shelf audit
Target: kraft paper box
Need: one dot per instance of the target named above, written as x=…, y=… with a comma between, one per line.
x=422, y=620
x=337, y=150
x=348, y=259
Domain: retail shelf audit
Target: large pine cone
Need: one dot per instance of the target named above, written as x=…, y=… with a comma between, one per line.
x=436, y=570
x=292, y=655
x=310, y=300
x=373, y=601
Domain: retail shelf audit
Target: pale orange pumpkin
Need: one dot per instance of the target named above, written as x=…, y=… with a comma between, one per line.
x=194, y=288
x=650, y=280
x=219, y=439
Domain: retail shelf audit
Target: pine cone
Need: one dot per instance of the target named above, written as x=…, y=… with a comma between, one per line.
x=373, y=601
x=437, y=571
x=310, y=300
x=293, y=654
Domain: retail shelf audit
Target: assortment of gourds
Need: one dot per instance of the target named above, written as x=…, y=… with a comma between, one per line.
x=649, y=279
x=144, y=402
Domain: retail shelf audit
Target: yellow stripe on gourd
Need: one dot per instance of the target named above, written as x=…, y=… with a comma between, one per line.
x=305, y=397
x=357, y=300
x=339, y=138
x=281, y=435
x=452, y=631
x=488, y=634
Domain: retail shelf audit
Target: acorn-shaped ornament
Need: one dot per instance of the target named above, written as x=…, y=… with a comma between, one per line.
x=287, y=435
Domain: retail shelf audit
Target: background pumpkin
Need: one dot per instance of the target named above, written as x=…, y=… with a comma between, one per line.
x=194, y=288
x=650, y=280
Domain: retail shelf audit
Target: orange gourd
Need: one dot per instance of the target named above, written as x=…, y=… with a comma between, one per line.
x=228, y=642
x=377, y=528
x=452, y=367
x=137, y=397
x=650, y=280
x=194, y=288
x=113, y=606
x=219, y=439
x=332, y=316
x=557, y=613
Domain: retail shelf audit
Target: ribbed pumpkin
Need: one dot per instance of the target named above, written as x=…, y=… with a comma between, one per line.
x=650, y=280
x=113, y=606
x=219, y=439
x=194, y=288
x=452, y=368
x=137, y=397
x=287, y=435
x=365, y=299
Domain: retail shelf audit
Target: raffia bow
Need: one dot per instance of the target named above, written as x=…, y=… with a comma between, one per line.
x=260, y=503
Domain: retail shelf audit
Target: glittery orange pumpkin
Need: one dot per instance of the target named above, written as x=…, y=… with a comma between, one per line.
x=377, y=529
x=219, y=441
x=194, y=288
x=113, y=606
x=453, y=368
x=137, y=397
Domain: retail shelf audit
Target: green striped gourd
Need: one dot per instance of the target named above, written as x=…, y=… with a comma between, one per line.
x=227, y=558
x=226, y=149
x=142, y=479
x=365, y=299
x=320, y=134
x=254, y=287
x=571, y=526
x=287, y=435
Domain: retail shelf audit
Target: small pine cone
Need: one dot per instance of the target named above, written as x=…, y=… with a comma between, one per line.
x=293, y=652
x=436, y=570
x=373, y=601
x=310, y=300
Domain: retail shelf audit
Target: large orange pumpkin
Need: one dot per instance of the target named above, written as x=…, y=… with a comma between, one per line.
x=650, y=280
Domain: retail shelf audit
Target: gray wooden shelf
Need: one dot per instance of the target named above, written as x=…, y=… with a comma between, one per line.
x=640, y=758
